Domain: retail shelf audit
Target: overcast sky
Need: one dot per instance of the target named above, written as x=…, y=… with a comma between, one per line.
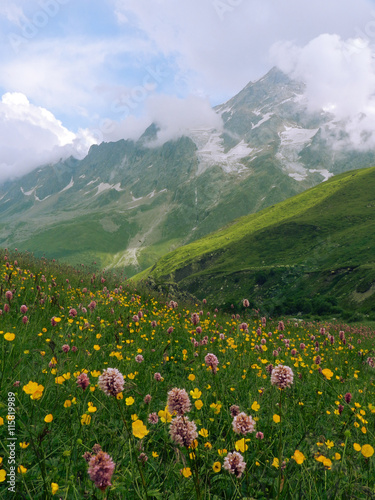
x=76, y=72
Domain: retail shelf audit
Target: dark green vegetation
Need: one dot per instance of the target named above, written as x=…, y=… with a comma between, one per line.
x=311, y=254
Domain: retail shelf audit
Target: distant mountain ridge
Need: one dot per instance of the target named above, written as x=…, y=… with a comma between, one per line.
x=126, y=204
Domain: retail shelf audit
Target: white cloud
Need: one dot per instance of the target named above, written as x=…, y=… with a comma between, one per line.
x=175, y=117
x=340, y=78
x=31, y=135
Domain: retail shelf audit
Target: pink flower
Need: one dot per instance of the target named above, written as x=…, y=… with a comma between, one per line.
x=111, y=381
x=139, y=358
x=25, y=320
x=153, y=418
x=65, y=348
x=72, y=313
x=195, y=318
x=282, y=376
x=211, y=361
x=246, y=303
x=157, y=376
x=83, y=381
x=243, y=424
x=234, y=463
x=182, y=431
x=23, y=309
x=101, y=468
x=178, y=401
x=9, y=295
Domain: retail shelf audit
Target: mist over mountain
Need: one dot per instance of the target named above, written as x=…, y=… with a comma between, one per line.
x=129, y=202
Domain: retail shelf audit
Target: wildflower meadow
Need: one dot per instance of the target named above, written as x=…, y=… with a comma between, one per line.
x=112, y=392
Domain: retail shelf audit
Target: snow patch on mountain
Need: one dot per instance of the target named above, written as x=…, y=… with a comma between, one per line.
x=292, y=141
x=211, y=152
x=28, y=193
x=71, y=184
x=104, y=186
x=265, y=118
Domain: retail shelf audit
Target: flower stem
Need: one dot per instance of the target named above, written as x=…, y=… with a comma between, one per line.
x=133, y=449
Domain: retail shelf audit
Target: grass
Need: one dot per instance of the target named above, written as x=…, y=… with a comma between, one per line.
x=321, y=231
x=317, y=436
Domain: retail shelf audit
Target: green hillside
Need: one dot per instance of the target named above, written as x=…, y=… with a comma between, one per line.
x=313, y=253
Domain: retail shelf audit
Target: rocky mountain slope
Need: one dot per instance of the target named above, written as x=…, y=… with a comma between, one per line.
x=128, y=203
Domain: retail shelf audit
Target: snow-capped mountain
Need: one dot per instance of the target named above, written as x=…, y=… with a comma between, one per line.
x=127, y=203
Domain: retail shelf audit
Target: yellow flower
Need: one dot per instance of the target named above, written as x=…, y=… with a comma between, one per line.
x=3, y=475
x=9, y=336
x=241, y=445
x=34, y=389
x=1, y=421
x=119, y=396
x=97, y=347
x=60, y=380
x=186, y=472
x=129, y=401
x=67, y=403
x=203, y=433
x=367, y=450
x=21, y=469
x=222, y=452
x=275, y=463
x=198, y=404
x=327, y=373
x=276, y=418
x=48, y=418
x=24, y=445
x=255, y=406
x=92, y=408
x=85, y=419
x=155, y=454
x=164, y=415
x=216, y=407
x=196, y=394
x=139, y=429
x=95, y=373
x=299, y=457
x=194, y=444
x=134, y=417
x=191, y=377
x=337, y=456
x=357, y=447
x=54, y=488
x=329, y=444
x=217, y=467
x=208, y=445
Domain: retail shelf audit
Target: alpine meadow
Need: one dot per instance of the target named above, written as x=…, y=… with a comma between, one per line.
x=187, y=250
